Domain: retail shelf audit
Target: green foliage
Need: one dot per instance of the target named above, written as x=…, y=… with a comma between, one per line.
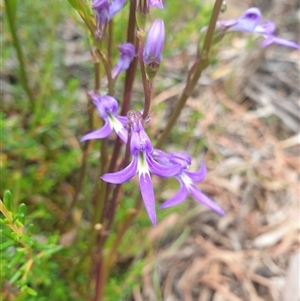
x=23, y=255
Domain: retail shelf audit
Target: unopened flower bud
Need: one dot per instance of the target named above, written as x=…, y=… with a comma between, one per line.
x=153, y=47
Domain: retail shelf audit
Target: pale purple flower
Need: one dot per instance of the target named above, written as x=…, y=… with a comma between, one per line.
x=187, y=180
x=142, y=163
x=154, y=44
x=156, y=3
x=115, y=7
x=127, y=53
x=107, y=108
x=105, y=10
x=250, y=22
x=102, y=16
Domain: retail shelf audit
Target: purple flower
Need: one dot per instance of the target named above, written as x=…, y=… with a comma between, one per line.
x=127, y=53
x=156, y=3
x=186, y=180
x=107, y=107
x=115, y=7
x=250, y=22
x=142, y=163
x=105, y=10
x=154, y=44
x=102, y=16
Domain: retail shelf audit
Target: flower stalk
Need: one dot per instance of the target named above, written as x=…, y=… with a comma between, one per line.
x=193, y=79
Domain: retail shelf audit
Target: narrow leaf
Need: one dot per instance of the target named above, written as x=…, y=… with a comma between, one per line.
x=7, y=200
x=6, y=245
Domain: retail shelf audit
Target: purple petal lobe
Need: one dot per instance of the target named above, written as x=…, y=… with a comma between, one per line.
x=156, y=3
x=206, y=201
x=115, y=7
x=280, y=41
x=268, y=27
x=127, y=53
x=122, y=175
x=122, y=119
x=177, y=199
x=148, y=196
x=104, y=132
x=199, y=175
x=123, y=134
x=248, y=21
x=162, y=170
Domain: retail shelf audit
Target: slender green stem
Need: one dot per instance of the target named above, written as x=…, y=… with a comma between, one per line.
x=46, y=71
x=97, y=76
x=102, y=198
x=131, y=71
x=193, y=79
x=146, y=84
x=120, y=234
x=107, y=68
x=110, y=40
x=23, y=75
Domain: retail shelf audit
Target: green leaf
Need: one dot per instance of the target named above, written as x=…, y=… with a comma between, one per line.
x=7, y=200
x=22, y=209
x=15, y=236
x=84, y=9
x=6, y=244
x=27, y=239
x=29, y=230
x=22, y=212
x=3, y=221
x=15, y=276
x=30, y=291
x=20, y=217
x=17, y=258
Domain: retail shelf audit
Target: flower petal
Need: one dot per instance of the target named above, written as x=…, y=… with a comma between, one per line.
x=115, y=7
x=199, y=175
x=123, y=134
x=122, y=175
x=104, y=132
x=177, y=199
x=156, y=3
x=122, y=119
x=118, y=127
x=248, y=21
x=268, y=27
x=280, y=41
x=147, y=192
x=162, y=170
x=205, y=200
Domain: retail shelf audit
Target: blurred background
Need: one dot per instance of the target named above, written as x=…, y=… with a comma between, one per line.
x=242, y=120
